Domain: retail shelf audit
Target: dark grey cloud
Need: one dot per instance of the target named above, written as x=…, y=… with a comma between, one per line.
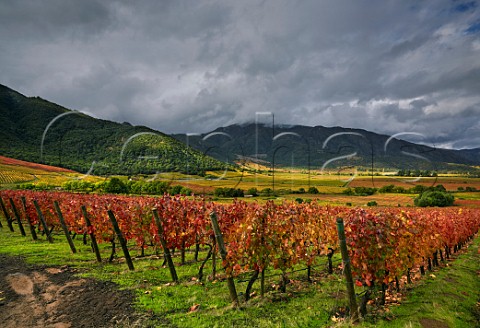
x=37, y=21
x=191, y=66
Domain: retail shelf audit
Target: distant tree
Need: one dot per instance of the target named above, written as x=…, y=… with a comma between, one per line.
x=266, y=192
x=186, y=191
x=434, y=198
x=349, y=192
x=418, y=189
x=228, y=192
x=439, y=188
x=387, y=189
x=253, y=192
x=116, y=186
x=175, y=190
x=313, y=190
x=136, y=187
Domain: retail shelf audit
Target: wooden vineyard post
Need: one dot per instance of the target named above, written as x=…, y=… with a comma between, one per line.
x=223, y=254
x=329, y=256
x=17, y=217
x=123, y=243
x=7, y=217
x=347, y=270
x=163, y=242
x=214, y=258
x=64, y=227
x=30, y=225
x=92, y=234
x=42, y=219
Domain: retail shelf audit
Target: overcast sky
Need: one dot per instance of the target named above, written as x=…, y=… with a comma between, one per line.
x=192, y=66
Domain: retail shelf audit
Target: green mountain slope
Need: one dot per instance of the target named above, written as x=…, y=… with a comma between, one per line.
x=336, y=147
x=37, y=130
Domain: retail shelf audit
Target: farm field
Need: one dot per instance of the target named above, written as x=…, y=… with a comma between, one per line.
x=298, y=293
x=319, y=303
x=297, y=276
x=310, y=164
x=14, y=172
x=330, y=186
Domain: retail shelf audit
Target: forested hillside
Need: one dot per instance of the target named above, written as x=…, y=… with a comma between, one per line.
x=77, y=141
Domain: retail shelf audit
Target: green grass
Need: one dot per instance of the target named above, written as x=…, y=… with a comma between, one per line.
x=450, y=297
x=468, y=195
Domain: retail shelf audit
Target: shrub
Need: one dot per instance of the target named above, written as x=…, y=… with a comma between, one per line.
x=348, y=191
x=186, y=191
x=418, y=189
x=387, y=189
x=228, y=192
x=439, y=188
x=76, y=185
x=116, y=186
x=365, y=191
x=253, y=192
x=434, y=198
x=313, y=190
x=372, y=203
x=155, y=187
x=175, y=190
x=266, y=192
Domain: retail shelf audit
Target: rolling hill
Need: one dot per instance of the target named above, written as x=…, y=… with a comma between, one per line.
x=36, y=130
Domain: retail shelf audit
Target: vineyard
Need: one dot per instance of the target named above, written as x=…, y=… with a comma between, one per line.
x=384, y=244
x=10, y=177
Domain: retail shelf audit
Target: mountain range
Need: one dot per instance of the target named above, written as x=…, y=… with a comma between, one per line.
x=327, y=148
x=37, y=130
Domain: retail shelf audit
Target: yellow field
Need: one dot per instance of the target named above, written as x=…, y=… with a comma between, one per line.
x=283, y=182
x=12, y=175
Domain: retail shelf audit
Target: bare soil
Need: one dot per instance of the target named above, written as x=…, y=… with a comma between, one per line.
x=36, y=296
x=432, y=323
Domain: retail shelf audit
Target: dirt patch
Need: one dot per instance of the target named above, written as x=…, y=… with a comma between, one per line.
x=432, y=323
x=340, y=295
x=450, y=280
x=34, y=296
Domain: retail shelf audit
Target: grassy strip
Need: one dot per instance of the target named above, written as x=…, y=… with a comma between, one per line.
x=450, y=296
x=447, y=297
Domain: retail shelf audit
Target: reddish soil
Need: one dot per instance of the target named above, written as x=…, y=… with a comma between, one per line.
x=17, y=162
x=35, y=296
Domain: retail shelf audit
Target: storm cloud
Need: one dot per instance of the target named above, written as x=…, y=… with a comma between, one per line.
x=192, y=66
